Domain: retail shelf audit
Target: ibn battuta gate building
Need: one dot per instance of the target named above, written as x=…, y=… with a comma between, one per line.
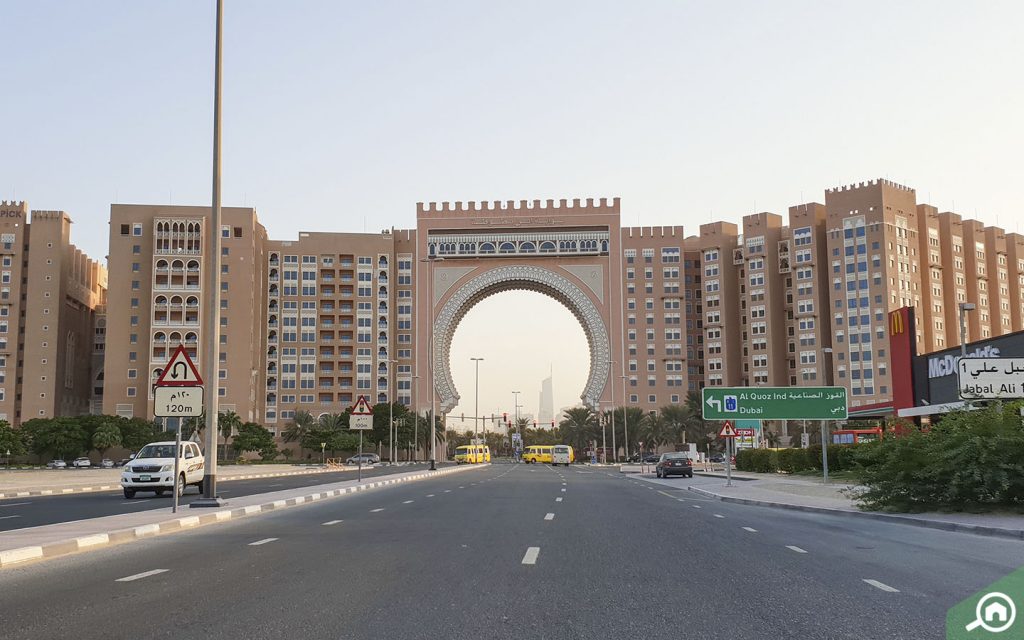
x=576, y=253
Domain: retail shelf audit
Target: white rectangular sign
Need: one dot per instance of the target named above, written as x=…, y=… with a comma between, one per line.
x=991, y=378
x=360, y=423
x=178, y=402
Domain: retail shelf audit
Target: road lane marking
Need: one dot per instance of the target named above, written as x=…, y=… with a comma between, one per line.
x=376, y=510
x=696, y=506
x=531, y=555
x=14, y=504
x=8, y=517
x=430, y=495
x=462, y=487
x=263, y=541
x=881, y=585
x=563, y=489
x=275, y=485
x=549, y=516
x=447, y=490
x=330, y=522
x=140, y=576
x=408, y=502
x=667, y=494
x=797, y=549
x=750, y=529
x=563, y=484
x=718, y=515
x=558, y=499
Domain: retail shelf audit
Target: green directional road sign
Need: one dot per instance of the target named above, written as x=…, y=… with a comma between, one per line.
x=774, y=403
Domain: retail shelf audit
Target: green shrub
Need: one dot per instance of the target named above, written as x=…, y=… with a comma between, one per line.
x=793, y=460
x=969, y=461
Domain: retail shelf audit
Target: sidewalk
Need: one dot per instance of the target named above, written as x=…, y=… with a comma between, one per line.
x=49, y=541
x=809, y=494
x=22, y=484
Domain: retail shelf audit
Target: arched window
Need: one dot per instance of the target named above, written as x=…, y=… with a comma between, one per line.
x=159, y=336
x=548, y=247
x=528, y=247
x=486, y=247
x=160, y=300
x=161, y=265
x=507, y=247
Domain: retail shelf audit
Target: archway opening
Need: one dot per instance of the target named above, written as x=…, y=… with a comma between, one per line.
x=525, y=337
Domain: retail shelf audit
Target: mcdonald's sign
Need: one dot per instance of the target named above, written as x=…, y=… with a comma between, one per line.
x=897, y=323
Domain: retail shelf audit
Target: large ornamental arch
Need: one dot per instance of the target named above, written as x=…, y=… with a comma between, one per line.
x=520, y=277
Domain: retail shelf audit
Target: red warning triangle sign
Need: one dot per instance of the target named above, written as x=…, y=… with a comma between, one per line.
x=727, y=430
x=362, y=407
x=180, y=371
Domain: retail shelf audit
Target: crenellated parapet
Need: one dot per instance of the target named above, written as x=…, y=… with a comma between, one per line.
x=870, y=183
x=576, y=206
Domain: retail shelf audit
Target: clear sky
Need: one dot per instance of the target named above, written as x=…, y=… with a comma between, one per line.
x=342, y=115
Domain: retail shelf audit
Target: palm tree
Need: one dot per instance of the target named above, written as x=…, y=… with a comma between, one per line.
x=299, y=427
x=578, y=426
x=194, y=427
x=227, y=423
x=655, y=431
x=677, y=418
x=333, y=421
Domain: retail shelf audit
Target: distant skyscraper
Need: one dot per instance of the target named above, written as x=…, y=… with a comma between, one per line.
x=546, y=407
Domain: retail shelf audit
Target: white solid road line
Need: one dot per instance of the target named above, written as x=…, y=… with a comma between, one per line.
x=408, y=502
x=558, y=499
x=797, y=549
x=531, y=555
x=750, y=529
x=330, y=522
x=376, y=510
x=549, y=516
x=263, y=541
x=140, y=576
x=8, y=517
x=14, y=504
x=880, y=585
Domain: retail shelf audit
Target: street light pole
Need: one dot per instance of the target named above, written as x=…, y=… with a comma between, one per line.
x=415, y=421
x=476, y=409
x=625, y=417
x=824, y=431
x=431, y=259
x=611, y=386
x=212, y=298
x=392, y=431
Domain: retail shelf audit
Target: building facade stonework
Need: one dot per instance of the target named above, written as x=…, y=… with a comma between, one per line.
x=313, y=323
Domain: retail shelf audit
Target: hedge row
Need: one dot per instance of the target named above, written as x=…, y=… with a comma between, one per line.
x=840, y=458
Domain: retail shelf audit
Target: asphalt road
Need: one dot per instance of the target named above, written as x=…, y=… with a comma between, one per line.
x=19, y=513
x=494, y=553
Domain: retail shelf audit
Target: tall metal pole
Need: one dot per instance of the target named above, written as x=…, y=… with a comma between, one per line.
x=212, y=328
x=611, y=386
x=625, y=416
x=415, y=421
x=433, y=394
x=392, y=445
x=476, y=408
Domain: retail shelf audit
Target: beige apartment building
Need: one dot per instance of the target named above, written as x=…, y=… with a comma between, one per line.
x=313, y=323
x=50, y=297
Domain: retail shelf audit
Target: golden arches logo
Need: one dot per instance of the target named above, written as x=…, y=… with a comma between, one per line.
x=896, y=325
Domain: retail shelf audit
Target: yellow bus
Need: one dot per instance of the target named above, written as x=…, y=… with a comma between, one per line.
x=537, y=453
x=472, y=454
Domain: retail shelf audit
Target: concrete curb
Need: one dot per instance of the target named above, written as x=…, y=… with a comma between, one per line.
x=22, y=555
x=943, y=525
x=117, y=487
x=712, y=474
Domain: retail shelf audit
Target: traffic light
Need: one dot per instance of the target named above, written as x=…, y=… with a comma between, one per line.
x=552, y=424
x=534, y=424
x=504, y=417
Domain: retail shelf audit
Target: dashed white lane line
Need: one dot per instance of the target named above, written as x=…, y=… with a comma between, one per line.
x=376, y=510
x=531, y=555
x=563, y=484
x=430, y=495
x=408, y=502
x=696, y=506
x=447, y=490
x=558, y=499
x=331, y=522
x=797, y=549
x=262, y=542
x=563, y=489
x=8, y=517
x=549, y=516
x=276, y=485
x=462, y=487
x=750, y=529
x=718, y=515
x=881, y=585
x=140, y=576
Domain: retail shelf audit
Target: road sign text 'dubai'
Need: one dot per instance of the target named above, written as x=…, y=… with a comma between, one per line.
x=180, y=371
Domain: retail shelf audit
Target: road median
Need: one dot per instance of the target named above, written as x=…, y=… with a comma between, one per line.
x=20, y=546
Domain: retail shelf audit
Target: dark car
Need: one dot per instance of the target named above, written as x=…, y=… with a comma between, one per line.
x=674, y=464
x=652, y=458
x=718, y=458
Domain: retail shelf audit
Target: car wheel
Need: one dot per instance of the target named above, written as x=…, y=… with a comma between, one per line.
x=129, y=493
x=181, y=485
x=689, y=475
x=159, y=492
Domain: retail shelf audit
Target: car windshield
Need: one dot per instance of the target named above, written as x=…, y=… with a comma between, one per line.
x=674, y=456
x=156, y=451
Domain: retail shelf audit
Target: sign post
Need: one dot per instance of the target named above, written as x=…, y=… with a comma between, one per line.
x=178, y=393
x=990, y=378
x=729, y=434
x=361, y=419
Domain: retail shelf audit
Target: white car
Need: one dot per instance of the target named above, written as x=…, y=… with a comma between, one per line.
x=83, y=463
x=56, y=464
x=152, y=469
